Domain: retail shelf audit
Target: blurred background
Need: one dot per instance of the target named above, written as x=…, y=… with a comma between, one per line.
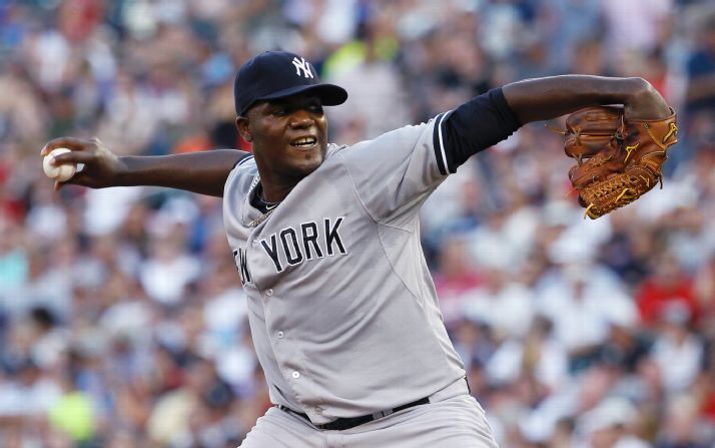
x=122, y=319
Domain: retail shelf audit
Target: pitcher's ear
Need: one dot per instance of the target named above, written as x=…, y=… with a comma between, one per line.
x=243, y=128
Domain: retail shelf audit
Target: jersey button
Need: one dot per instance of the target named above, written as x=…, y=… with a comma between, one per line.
x=280, y=335
x=269, y=292
x=295, y=375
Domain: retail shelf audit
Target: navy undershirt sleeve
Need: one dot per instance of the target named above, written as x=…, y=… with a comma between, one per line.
x=477, y=124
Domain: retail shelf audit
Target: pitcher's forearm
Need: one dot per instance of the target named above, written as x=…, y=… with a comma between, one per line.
x=553, y=96
x=202, y=172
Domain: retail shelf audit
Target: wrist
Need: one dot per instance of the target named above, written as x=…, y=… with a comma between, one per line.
x=123, y=169
x=644, y=101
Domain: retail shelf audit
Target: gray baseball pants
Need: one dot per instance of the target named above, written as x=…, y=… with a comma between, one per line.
x=453, y=418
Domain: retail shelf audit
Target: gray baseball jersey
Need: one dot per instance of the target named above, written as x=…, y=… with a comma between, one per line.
x=342, y=308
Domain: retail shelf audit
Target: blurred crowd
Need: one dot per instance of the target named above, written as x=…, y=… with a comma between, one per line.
x=122, y=319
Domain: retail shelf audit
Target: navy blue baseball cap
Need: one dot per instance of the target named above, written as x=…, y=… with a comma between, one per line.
x=278, y=74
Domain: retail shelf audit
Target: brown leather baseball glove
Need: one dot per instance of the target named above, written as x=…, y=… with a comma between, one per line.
x=618, y=160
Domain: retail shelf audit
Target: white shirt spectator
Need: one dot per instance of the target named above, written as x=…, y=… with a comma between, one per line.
x=678, y=355
x=624, y=35
x=170, y=267
x=506, y=365
x=165, y=276
x=508, y=311
x=582, y=304
x=34, y=399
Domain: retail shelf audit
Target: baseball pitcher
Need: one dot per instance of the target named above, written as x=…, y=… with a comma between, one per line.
x=343, y=312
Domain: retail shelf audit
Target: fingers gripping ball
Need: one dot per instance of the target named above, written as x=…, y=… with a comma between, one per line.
x=617, y=160
x=60, y=173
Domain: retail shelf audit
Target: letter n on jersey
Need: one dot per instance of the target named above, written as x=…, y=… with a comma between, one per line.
x=239, y=255
x=304, y=242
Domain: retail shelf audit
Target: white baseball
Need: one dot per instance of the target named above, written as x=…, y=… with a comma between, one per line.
x=59, y=173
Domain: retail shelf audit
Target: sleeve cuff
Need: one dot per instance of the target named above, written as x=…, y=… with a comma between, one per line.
x=439, y=141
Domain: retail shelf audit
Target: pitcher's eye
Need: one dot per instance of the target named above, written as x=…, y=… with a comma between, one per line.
x=316, y=108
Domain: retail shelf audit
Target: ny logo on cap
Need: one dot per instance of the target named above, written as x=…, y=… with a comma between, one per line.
x=302, y=65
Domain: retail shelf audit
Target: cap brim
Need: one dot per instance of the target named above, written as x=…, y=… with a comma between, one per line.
x=330, y=94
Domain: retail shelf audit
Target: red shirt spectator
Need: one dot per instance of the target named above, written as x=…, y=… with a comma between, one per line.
x=667, y=285
x=454, y=278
